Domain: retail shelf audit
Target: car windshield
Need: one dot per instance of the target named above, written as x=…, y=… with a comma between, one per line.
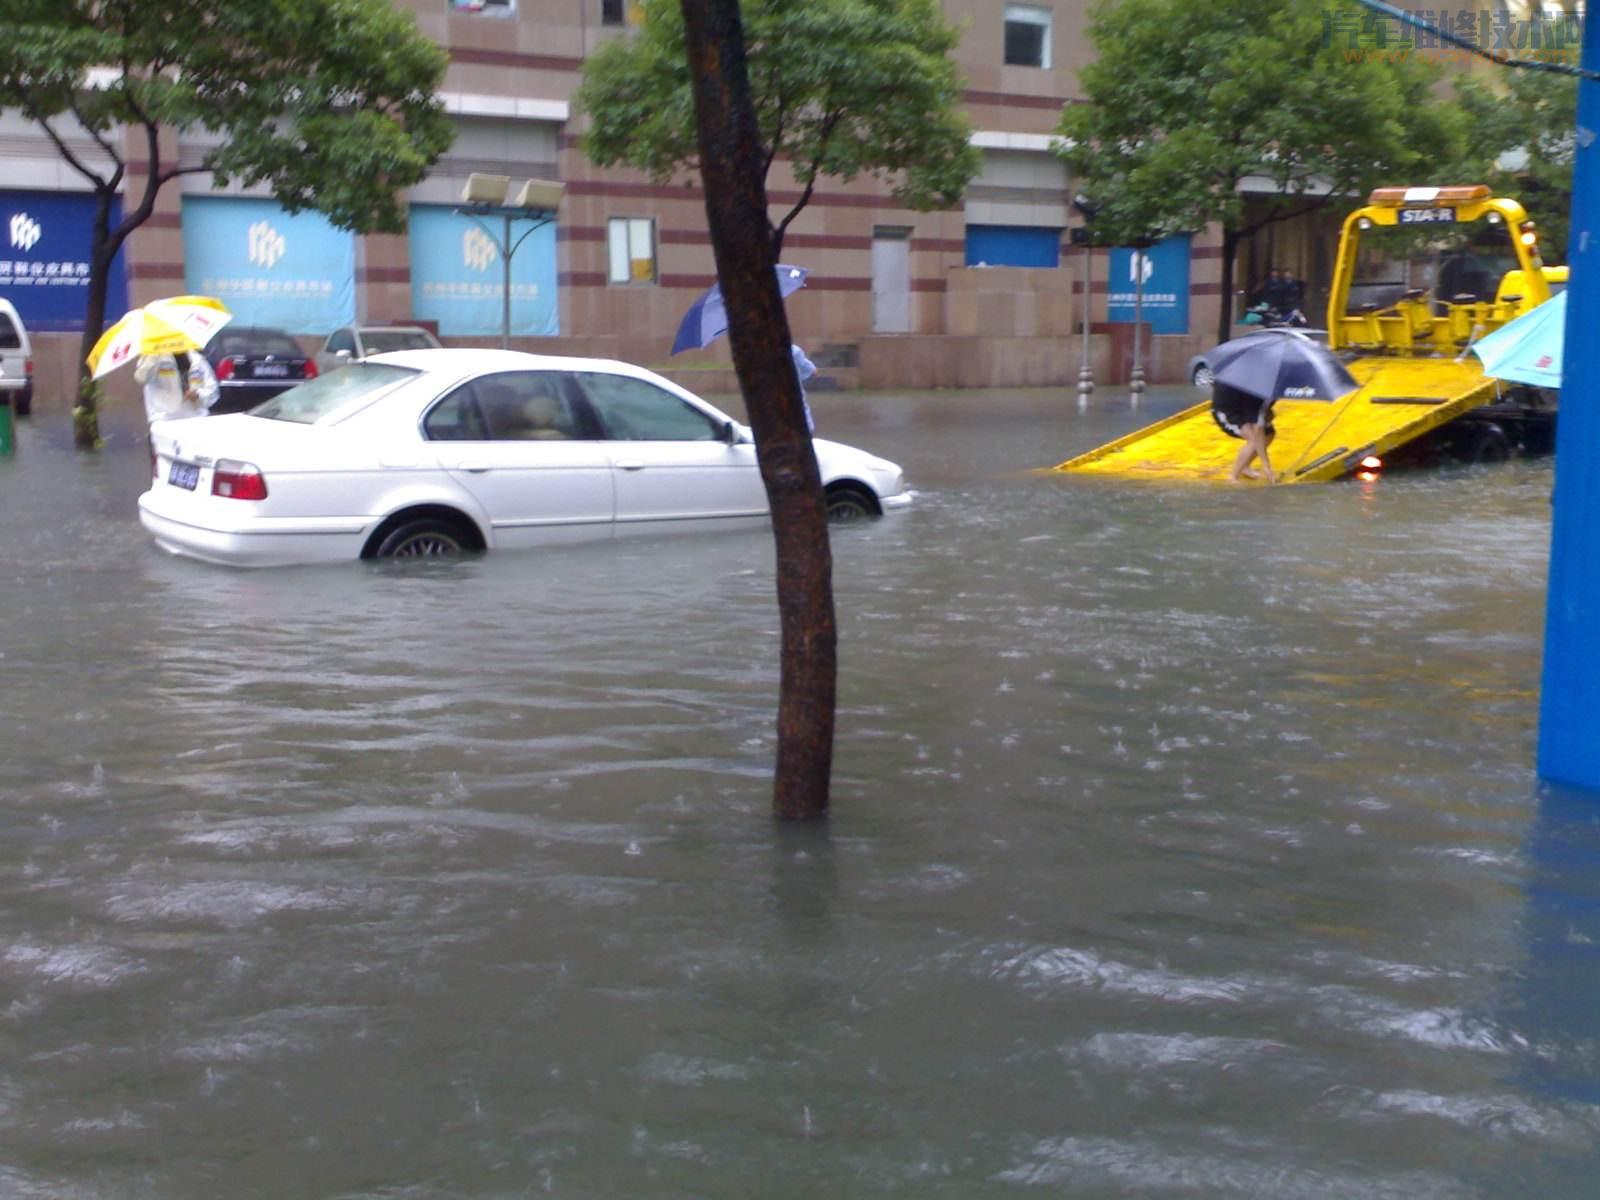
x=310, y=402
x=381, y=341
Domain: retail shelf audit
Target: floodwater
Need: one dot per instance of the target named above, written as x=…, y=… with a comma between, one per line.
x=1186, y=843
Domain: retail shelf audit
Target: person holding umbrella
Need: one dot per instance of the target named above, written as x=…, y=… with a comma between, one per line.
x=1241, y=415
x=153, y=336
x=1251, y=372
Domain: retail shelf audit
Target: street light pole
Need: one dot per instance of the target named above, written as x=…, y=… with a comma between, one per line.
x=1136, y=377
x=507, y=249
x=1086, y=208
x=536, y=201
x=1085, y=371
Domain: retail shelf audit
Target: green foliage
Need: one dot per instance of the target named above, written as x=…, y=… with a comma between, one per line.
x=328, y=102
x=1188, y=100
x=1523, y=126
x=841, y=88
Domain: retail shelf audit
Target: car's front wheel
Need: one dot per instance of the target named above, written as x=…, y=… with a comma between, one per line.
x=427, y=537
x=1203, y=379
x=848, y=503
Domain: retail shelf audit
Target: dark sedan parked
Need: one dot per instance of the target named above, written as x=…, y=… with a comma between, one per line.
x=253, y=364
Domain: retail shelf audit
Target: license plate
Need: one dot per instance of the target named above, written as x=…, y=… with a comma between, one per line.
x=274, y=370
x=1427, y=216
x=184, y=475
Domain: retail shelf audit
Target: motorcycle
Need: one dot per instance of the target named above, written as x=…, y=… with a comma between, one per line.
x=1268, y=317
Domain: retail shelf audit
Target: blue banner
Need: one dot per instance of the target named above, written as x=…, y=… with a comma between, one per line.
x=295, y=273
x=1013, y=246
x=44, y=259
x=458, y=278
x=1165, y=267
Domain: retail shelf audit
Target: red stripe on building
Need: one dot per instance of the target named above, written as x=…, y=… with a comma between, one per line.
x=512, y=58
x=155, y=270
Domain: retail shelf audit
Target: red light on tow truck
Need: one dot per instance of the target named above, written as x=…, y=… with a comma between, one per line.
x=234, y=480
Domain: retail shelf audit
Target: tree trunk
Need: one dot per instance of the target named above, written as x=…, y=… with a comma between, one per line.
x=85, y=418
x=742, y=237
x=1230, y=251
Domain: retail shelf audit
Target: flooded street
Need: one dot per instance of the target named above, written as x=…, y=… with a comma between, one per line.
x=1186, y=843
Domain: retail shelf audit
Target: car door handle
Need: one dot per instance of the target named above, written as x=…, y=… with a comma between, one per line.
x=476, y=466
x=630, y=464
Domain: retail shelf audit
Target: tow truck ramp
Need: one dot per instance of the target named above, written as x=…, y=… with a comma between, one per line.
x=1399, y=400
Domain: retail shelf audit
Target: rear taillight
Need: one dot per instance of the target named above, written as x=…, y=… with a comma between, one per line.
x=225, y=369
x=27, y=367
x=238, y=480
x=311, y=369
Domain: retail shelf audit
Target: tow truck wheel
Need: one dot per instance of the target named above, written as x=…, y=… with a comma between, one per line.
x=1486, y=444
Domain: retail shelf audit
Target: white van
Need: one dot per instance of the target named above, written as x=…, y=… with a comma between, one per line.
x=16, y=360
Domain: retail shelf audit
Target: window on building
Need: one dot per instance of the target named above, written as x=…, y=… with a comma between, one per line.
x=1027, y=36
x=632, y=242
x=497, y=8
x=611, y=12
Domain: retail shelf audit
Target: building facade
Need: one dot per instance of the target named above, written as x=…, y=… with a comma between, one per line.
x=986, y=294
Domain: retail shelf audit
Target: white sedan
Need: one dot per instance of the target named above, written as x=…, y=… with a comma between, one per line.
x=435, y=452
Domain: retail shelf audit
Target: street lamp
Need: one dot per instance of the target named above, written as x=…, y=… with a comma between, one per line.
x=1085, y=208
x=535, y=201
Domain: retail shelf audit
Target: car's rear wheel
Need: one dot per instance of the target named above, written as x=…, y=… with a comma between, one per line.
x=23, y=401
x=427, y=537
x=848, y=503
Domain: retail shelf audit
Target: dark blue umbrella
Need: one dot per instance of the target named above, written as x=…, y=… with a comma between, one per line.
x=707, y=318
x=1276, y=364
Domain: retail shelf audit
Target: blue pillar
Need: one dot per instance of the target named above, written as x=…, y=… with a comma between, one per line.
x=1569, y=706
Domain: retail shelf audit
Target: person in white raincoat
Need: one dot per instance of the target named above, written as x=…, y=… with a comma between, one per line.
x=168, y=392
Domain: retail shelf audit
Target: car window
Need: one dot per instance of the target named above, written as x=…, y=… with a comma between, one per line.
x=526, y=406
x=456, y=418
x=309, y=402
x=382, y=341
x=9, y=338
x=341, y=340
x=635, y=410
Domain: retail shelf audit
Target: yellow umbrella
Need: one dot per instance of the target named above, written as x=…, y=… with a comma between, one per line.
x=171, y=326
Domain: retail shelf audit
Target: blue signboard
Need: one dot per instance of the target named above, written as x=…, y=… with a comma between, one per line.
x=296, y=273
x=1013, y=246
x=458, y=278
x=44, y=259
x=1165, y=267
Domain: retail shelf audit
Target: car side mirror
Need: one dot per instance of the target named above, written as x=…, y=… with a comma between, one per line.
x=732, y=434
x=344, y=354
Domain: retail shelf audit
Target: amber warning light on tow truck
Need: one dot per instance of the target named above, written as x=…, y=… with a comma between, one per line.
x=1369, y=467
x=1394, y=197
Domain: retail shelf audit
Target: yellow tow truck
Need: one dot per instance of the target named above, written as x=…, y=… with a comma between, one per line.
x=1409, y=348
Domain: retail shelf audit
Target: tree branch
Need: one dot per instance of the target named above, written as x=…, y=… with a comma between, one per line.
x=104, y=145
x=100, y=184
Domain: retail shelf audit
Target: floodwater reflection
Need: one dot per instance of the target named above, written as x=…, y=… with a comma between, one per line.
x=1186, y=842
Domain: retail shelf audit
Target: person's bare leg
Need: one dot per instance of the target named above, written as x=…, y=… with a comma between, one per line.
x=1248, y=451
x=1261, y=453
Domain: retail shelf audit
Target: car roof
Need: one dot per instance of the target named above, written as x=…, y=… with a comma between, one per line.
x=389, y=328
x=467, y=360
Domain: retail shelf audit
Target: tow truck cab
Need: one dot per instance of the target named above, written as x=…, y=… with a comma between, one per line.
x=1417, y=323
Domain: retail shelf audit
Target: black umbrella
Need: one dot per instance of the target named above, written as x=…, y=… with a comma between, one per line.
x=1278, y=365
